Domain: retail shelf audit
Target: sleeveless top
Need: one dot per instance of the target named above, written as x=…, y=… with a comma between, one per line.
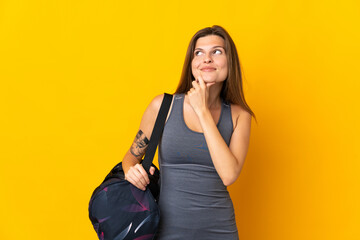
x=194, y=203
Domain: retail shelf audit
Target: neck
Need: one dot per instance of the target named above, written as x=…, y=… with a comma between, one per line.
x=214, y=100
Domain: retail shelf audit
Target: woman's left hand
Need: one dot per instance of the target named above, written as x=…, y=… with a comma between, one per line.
x=199, y=94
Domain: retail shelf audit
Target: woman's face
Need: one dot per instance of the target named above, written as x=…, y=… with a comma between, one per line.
x=210, y=59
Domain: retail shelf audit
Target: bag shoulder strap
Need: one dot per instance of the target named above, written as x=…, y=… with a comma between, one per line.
x=157, y=131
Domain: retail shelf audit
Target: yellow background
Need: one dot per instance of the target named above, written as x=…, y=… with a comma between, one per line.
x=76, y=77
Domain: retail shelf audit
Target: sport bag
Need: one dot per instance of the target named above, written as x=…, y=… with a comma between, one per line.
x=117, y=209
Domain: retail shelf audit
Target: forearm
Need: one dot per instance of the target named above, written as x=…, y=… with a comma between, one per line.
x=137, y=150
x=128, y=161
x=224, y=161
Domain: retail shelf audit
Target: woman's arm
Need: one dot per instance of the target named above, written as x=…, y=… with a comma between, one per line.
x=134, y=171
x=228, y=161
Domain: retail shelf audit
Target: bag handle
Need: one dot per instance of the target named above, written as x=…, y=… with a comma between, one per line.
x=157, y=131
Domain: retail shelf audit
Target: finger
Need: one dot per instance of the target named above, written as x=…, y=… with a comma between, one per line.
x=195, y=84
x=198, y=72
x=138, y=177
x=202, y=83
x=143, y=173
x=135, y=182
x=152, y=170
x=133, y=177
x=200, y=78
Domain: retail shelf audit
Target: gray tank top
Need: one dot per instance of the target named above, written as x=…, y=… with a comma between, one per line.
x=194, y=203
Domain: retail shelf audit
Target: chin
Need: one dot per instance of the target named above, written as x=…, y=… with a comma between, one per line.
x=209, y=80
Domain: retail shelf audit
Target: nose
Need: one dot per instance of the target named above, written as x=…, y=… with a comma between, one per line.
x=207, y=58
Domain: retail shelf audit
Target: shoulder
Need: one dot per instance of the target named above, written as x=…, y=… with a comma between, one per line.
x=156, y=102
x=149, y=117
x=154, y=106
x=240, y=115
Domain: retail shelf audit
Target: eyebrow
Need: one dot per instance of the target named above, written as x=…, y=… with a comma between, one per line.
x=212, y=47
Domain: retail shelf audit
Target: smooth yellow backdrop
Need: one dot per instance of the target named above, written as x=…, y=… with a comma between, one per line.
x=77, y=75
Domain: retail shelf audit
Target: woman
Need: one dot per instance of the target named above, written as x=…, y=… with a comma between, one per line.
x=204, y=143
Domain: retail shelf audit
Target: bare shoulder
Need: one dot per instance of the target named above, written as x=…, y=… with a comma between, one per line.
x=240, y=115
x=149, y=117
x=155, y=103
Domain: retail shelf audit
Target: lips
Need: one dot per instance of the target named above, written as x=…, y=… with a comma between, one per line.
x=208, y=69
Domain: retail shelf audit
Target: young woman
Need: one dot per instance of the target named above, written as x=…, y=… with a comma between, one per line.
x=204, y=143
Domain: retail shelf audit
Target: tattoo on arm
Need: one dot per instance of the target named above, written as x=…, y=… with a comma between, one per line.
x=139, y=145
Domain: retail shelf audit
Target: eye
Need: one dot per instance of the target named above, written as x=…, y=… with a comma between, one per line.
x=197, y=53
x=217, y=51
